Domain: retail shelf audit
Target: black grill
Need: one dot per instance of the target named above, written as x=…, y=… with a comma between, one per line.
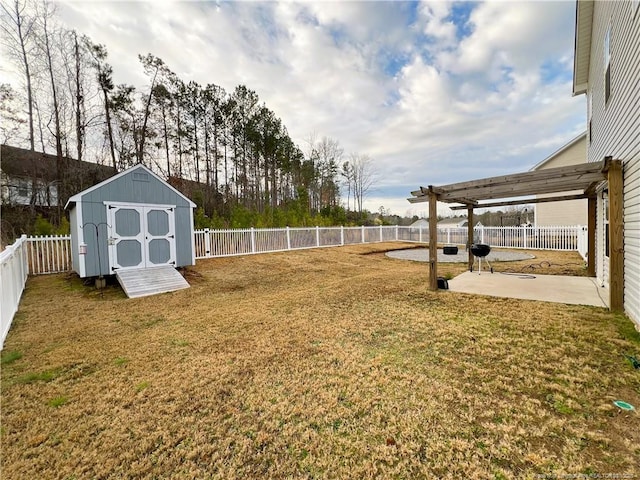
x=481, y=250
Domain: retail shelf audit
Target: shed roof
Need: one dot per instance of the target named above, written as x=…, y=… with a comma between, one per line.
x=584, y=177
x=20, y=162
x=78, y=196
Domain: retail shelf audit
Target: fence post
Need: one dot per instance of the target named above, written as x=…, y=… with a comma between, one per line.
x=420, y=234
x=448, y=235
x=380, y=232
x=362, y=233
x=24, y=255
x=481, y=233
x=341, y=234
x=207, y=243
x=288, y=238
x=317, y=236
x=524, y=231
x=253, y=240
x=396, y=232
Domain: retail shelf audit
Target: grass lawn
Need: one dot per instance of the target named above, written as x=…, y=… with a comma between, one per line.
x=327, y=363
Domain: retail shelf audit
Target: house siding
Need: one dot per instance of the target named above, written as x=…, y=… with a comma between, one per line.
x=616, y=129
x=568, y=212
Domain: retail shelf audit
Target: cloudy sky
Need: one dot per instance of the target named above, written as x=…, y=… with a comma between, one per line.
x=434, y=92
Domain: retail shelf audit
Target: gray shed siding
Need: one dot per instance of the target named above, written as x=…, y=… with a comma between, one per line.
x=616, y=128
x=135, y=187
x=75, y=257
x=94, y=213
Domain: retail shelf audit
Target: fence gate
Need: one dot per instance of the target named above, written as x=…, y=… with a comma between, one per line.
x=141, y=236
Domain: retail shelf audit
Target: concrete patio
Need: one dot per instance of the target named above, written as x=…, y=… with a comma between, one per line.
x=545, y=288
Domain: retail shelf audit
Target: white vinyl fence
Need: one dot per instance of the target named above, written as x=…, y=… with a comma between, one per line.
x=223, y=243
x=14, y=269
x=52, y=254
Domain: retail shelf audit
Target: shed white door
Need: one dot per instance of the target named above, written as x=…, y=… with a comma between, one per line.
x=141, y=236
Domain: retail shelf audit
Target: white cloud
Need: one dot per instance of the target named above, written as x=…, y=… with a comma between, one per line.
x=437, y=25
x=389, y=79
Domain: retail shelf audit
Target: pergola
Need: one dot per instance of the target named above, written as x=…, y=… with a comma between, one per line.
x=497, y=191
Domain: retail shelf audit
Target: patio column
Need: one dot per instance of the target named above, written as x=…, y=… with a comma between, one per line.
x=591, y=236
x=616, y=237
x=433, y=239
x=470, y=237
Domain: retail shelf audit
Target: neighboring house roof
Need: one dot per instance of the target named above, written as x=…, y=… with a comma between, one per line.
x=78, y=196
x=582, y=47
x=191, y=188
x=453, y=222
x=420, y=223
x=560, y=151
x=20, y=162
x=183, y=184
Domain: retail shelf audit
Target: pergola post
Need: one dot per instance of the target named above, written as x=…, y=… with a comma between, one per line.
x=616, y=237
x=433, y=240
x=470, y=236
x=591, y=236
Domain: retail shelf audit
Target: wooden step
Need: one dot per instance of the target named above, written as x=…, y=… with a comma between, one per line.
x=150, y=281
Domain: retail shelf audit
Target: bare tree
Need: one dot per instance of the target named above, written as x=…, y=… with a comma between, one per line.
x=104, y=74
x=18, y=31
x=347, y=175
x=153, y=67
x=9, y=114
x=77, y=90
x=45, y=15
x=363, y=176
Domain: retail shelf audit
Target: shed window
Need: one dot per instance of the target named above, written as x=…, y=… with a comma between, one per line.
x=607, y=65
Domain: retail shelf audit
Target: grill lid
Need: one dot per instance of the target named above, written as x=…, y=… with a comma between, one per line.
x=480, y=249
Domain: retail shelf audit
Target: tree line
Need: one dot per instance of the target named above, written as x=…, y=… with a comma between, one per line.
x=228, y=144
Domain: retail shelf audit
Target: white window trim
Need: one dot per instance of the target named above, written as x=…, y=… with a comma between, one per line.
x=589, y=113
x=605, y=222
x=607, y=63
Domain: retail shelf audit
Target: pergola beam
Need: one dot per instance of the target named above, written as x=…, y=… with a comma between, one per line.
x=584, y=177
x=568, y=172
x=532, y=187
x=558, y=198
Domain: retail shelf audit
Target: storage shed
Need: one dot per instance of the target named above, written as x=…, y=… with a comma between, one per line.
x=133, y=221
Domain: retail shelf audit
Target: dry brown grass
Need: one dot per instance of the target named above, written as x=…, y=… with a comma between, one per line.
x=328, y=363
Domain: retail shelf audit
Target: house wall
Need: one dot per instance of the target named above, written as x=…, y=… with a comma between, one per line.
x=615, y=128
x=19, y=190
x=135, y=189
x=568, y=212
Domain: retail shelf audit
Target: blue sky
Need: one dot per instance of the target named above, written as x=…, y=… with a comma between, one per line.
x=434, y=92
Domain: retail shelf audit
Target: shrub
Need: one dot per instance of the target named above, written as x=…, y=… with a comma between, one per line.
x=42, y=226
